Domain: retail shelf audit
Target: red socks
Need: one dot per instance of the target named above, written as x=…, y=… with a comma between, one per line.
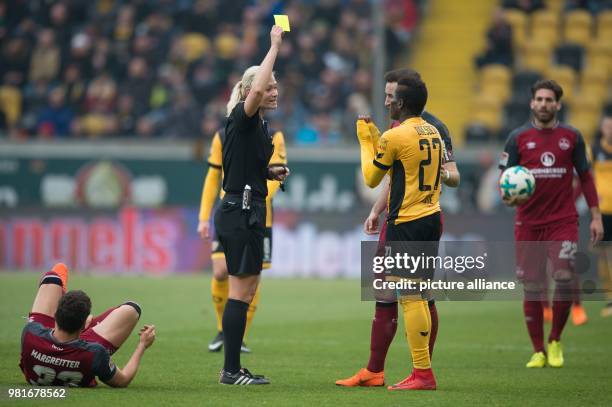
x=534, y=317
x=433, y=311
x=384, y=327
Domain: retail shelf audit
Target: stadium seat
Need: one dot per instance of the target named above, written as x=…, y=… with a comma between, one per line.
x=495, y=73
x=600, y=54
x=577, y=28
x=518, y=20
x=497, y=90
x=570, y=54
x=10, y=103
x=555, y=5
x=545, y=27
x=585, y=112
x=521, y=85
x=604, y=26
x=594, y=74
x=586, y=121
x=566, y=77
x=595, y=91
x=195, y=45
x=486, y=111
x=536, y=56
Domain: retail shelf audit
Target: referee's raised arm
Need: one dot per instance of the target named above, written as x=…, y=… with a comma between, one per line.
x=253, y=100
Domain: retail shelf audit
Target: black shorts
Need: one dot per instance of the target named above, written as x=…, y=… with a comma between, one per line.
x=419, y=237
x=217, y=248
x=607, y=225
x=241, y=234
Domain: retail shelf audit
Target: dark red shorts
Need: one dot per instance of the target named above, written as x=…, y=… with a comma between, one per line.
x=536, y=246
x=88, y=335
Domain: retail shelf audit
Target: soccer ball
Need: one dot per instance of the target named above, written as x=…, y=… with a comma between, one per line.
x=517, y=181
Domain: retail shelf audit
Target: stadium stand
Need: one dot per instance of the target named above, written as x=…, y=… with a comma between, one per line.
x=569, y=41
x=164, y=68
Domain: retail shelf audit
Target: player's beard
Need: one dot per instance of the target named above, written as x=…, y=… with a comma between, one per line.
x=544, y=117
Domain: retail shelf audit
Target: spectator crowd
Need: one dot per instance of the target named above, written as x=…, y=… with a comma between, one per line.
x=164, y=68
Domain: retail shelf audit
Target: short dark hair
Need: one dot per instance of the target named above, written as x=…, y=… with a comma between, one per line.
x=411, y=90
x=396, y=74
x=72, y=311
x=547, y=84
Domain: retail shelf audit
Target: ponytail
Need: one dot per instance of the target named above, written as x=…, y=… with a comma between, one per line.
x=239, y=92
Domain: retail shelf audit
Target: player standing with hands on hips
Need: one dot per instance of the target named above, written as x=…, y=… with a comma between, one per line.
x=241, y=219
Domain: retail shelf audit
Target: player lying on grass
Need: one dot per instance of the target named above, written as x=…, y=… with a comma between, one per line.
x=63, y=345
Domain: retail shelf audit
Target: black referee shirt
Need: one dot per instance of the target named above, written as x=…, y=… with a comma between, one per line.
x=247, y=150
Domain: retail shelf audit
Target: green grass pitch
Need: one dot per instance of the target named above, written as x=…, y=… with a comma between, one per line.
x=307, y=334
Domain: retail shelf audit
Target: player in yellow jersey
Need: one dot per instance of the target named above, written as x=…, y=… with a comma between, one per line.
x=210, y=191
x=413, y=155
x=602, y=170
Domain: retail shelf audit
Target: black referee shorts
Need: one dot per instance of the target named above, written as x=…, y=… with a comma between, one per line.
x=241, y=234
x=417, y=238
x=218, y=253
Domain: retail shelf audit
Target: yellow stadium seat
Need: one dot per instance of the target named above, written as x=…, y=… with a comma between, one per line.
x=195, y=45
x=585, y=111
x=536, y=56
x=555, y=5
x=10, y=103
x=544, y=18
x=577, y=28
x=585, y=121
x=596, y=75
x=604, y=26
x=518, y=20
x=499, y=90
x=495, y=73
x=566, y=77
x=487, y=111
x=600, y=55
x=545, y=34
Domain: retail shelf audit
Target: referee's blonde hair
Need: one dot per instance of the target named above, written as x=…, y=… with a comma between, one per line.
x=239, y=92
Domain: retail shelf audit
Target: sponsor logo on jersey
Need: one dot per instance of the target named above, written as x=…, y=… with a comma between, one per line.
x=57, y=347
x=531, y=145
x=564, y=144
x=547, y=159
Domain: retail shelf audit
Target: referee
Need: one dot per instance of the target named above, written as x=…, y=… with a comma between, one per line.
x=240, y=221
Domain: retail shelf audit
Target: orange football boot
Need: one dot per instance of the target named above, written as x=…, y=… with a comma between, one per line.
x=420, y=379
x=363, y=378
x=62, y=271
x=579, y=316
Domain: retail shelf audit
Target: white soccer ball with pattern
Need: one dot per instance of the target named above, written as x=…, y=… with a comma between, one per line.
x=517, y=181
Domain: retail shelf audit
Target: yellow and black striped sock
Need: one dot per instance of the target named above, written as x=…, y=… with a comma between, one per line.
x=220, y=292
x=417, y=323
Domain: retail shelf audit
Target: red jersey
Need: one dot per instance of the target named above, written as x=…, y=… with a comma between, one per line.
x=551, y=155
x=47, y=362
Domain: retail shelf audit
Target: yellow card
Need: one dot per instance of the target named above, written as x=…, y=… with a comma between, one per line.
x=282, y=20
